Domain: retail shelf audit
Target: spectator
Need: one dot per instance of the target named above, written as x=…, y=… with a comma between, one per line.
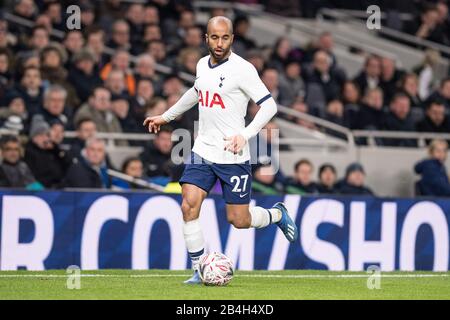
x=151, y=32
x=157, y=49
x=354, y=181
x=156, y=156
x=96, y=43
x=270, y=77
x=52, y=70
x=370, y=115
x=5, y=74
x=442, y=94
x=322, y=83
x=172, y=85
x=241, y=42
x=350, y=95
x=47, y=161
x=90, y=170
x=121, y=108
x=133, y=167
x=54, y=106
x=98, y=109
x=410, y=85
x=264, y=182
x=434, y=180
x=370, y=77
x=15, y=108
x=335, y=113
x=302, y=107
x=187, y=60
x=257, y=60
x=145, y=68
x=85, y=129
x=390, y=77
x=426, y=72
x=194, y=40
x=30, y=89
x=399, y=119
x=14, y=173
x=291, y=83
x=120, y=36
x=428, y=26
x=280, y=54
x=327, y=179
x=121, y=61
x=302, y=182
x=83, y=75
x=39, y=38
x=135, y=19
x=115, y=83
x=144, y=93
x=73, y=42
x=435, y=119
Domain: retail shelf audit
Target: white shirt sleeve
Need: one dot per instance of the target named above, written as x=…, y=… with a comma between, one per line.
x=253, y=86
x=187, y=101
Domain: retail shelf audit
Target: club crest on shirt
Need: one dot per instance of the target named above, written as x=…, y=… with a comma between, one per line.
x=221, y=81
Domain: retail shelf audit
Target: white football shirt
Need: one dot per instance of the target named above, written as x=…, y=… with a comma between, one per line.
x=223, y=92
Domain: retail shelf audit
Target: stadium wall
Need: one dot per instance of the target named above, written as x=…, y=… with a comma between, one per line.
x=94, y=230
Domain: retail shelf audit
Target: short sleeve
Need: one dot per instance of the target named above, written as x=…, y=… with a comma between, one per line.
x=253, y=86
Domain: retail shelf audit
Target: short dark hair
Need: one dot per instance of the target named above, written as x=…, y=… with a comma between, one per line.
x=127, y=162
x=165, y=129
x=326, y=166
x=7, y=139
x=302, y=162
x=81, y=121
x=399, y=95
x=433, y=102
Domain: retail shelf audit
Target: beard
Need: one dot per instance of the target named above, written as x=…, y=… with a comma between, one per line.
x=220, y=57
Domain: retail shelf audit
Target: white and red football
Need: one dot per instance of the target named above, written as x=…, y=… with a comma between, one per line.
x=216, y=269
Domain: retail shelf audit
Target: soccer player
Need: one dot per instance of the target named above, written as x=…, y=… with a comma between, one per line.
x=224, y=84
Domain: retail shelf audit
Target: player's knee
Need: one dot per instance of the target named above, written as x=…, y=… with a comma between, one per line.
x=190, y=210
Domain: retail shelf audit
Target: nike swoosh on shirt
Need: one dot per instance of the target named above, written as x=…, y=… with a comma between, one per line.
x=243, y=195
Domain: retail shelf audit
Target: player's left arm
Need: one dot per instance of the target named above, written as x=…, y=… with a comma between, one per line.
x=258, y=92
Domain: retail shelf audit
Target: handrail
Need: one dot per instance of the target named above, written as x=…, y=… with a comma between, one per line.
x=384, y=30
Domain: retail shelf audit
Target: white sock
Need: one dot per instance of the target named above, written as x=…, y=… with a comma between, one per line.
x=263, y=217
x=195, y=243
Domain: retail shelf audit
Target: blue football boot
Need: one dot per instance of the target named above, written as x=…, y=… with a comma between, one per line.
x=286, y=224
x=195, y=279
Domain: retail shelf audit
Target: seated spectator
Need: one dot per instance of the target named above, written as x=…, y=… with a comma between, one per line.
x=121, y=108
x=95, y=41
x=442, y=94
x=302, y=181
x=89, y=171
x=427, y=27
x=270, y=77
x=15, y=108
x=264, y=182
x=354, y=181
x=350, y=95
x=370, y=77
x=54, y=106
x=371, y=114
x=99, y=110
x=410, y=85
x=390, y=76
x=302, y=107
x=399, y=119
x=434, y=180
x=53, y=72
x=335, y=113
x=145, y=69
x=115, y=83
x=6, y=76
x=120, y=36
x=187, y=60
x=327, y=179
x=280, y=54
x=157, y=49
x=156, y=156
x=320, y=76
x=291, y=83
x=426, y=72
x=30, y=89
x=14, y=173
x=435, y=119
x=144, y=93
x=121, y=61
x=47, y=161
x=85, y=129
x=133, y=167
x=242, y=43
x=83, y=75
x=73, y=42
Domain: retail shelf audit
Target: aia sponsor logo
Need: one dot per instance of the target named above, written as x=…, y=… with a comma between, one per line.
x=209, y=99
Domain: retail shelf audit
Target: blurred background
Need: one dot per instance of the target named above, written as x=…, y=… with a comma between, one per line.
x=360, y=111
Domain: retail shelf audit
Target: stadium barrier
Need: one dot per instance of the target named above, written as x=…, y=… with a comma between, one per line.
x=98, y=230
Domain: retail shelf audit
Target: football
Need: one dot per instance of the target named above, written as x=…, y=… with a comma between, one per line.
x=216, y=269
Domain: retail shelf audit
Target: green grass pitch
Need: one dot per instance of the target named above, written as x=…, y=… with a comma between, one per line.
x=274, y=285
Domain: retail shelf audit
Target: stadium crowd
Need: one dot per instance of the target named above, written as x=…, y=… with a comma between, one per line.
x=51, y=84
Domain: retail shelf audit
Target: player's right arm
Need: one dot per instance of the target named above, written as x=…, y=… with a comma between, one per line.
x=187, y=101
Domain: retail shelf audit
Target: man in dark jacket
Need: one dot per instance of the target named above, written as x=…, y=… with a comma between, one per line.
x=354, y=181
x=327, y=179
x=434, y=181
x=14, y=173
x=46, y=160
x=90, y=170
x=435, y=119
x=302, y=182
x=156, y=156
x=399, y=119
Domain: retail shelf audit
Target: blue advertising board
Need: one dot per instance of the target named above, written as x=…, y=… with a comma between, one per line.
x=96, y=230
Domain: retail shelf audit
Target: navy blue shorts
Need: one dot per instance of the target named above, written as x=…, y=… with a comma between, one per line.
x=235, y=178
